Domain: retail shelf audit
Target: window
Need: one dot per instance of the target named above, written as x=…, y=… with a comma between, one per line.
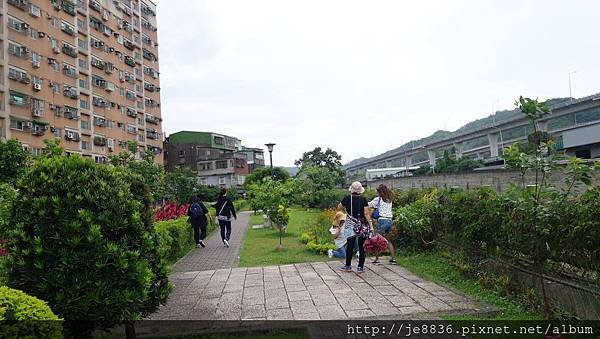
x=85, y=124
x=18, y=125
x=83, y=83
x=67, y=28
x=81, y=43
x=33, y=33
x=55, y=87
x=35, y=10
x=17, y=24
x=37, y=152
x=54, y=21
x=18, y=99
x=221, y=180
x=81, y=24
x=85, y=145
x=82, y=62
x=57, y=132
x=84, y=103
x=204, y=166
x=222, y=164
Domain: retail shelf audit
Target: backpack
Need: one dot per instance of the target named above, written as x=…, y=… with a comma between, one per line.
x=196, y=211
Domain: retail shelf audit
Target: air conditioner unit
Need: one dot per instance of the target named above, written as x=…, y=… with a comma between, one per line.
x=38, y=113
x=37, y=87
x=56, y=50
x=111, y=49
x=27, y=124
x=35, y=64
x=41, y=34
x=24, y=26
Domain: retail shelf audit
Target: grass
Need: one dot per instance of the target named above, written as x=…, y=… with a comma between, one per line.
x=256, y=219
x=434, y=267
x=260, y=245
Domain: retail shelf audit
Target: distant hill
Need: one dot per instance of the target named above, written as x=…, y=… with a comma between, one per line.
x=499, y=116
x=291, y=170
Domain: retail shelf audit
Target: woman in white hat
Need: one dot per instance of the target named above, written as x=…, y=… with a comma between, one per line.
x=357, y=206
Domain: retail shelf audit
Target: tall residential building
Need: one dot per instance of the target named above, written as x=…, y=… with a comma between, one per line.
x=85, y=72
x=216, y=159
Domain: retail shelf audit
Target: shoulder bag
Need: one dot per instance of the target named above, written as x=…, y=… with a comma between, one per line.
x=223, y=217
x=375, y=214
x=360, y=228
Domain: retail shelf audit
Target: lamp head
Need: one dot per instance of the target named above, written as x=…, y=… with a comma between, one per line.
x=270, y=146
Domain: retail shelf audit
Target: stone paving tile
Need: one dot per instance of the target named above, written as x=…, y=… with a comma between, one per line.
x=208, y=288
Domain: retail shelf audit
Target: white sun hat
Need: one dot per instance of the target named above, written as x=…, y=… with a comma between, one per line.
x=356, y=187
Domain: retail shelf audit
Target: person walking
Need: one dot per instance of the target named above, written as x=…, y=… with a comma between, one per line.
x=356, y=206
x=225, y=210
x=383, y=204
x=197, y=217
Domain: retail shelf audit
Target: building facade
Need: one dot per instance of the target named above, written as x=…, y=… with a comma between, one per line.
x=84, y=72
x=217, y=159
x=255, y=158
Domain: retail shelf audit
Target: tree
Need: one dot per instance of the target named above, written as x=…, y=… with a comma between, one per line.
x=82, y=239
x=151, y=173
x=329, y=159
x=13, y=160
x=450, y=164
x=317, y=185
x=279, y=174
x=180, y=185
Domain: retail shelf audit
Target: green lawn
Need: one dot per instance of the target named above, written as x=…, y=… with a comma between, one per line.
x=434, y=267
x=256, y=219
x=260, y=245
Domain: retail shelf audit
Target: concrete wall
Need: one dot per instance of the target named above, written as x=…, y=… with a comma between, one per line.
x=499, y=180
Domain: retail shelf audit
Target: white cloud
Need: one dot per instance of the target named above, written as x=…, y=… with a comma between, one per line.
x=362, y=77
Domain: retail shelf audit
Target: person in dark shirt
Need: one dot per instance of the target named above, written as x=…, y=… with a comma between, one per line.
x=225, y=210
x=357, y=206
x=197, y=217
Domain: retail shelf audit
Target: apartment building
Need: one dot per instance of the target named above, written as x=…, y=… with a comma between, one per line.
x=84, y=72
x=216, y=159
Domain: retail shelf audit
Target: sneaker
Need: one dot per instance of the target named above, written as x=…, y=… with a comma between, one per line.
x=360, y=270
x=197, y=245
x=375, y=262
x=346, y=268
x=226, y=243
x=201, y=243
x=393, y=262
x=357, y=254
x=330, y=253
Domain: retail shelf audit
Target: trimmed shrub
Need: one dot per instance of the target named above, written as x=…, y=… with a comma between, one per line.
x=21, y=316
x=175, y=238
x=83, y=240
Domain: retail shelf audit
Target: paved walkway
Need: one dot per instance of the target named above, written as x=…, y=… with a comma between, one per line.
x=309, y=291
x=216, y=256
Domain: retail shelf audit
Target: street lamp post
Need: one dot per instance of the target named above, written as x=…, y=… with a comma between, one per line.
x=270, y=148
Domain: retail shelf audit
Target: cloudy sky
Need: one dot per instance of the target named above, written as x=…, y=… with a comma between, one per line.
x=363, y=77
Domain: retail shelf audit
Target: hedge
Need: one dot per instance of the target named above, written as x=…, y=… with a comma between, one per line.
x=484, y=223
x=176, y=238
x=20, y=316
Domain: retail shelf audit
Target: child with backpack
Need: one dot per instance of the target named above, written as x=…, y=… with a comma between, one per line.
x=197, y=217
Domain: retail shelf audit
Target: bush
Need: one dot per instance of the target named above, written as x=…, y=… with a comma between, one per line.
x=83, y=239
x=414, y=222
x=21, y=315
x=175, y=238
x=319, y=248
x=170, y=210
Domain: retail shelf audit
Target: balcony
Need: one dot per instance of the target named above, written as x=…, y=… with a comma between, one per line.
x=70, y=51
x=152, y=119
x=151, y=134
x=21, y=4
x=68, y=7
x=100, y=141
x=129, y=61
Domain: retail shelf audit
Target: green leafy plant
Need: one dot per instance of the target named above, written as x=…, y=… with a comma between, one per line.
x=13, y=161
x=82, y=238
x=25, y=316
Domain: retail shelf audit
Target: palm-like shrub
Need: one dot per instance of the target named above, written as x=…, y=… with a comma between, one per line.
x=83, y=240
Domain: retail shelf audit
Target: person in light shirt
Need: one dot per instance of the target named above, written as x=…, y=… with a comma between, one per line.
x=383, y=202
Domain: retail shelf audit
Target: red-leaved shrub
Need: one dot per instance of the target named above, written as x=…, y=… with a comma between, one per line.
x=170, y=210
